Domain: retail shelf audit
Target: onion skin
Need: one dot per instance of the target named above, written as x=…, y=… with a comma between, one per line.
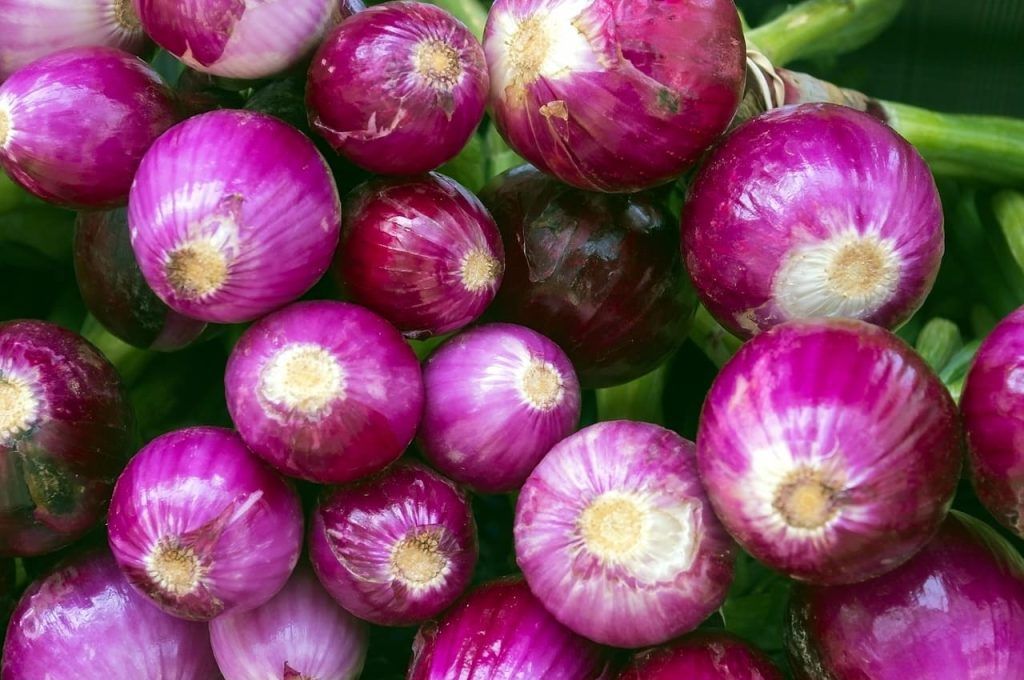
x=422, y=252
x=81, y=149
x=232, y=215
x=813, y=210
x=704, y=655
x=636, y=93
x=366, y=542
x=66, y=431
x=398, y=88
x=500, y=631
x=202, y=527
x=598, y=274
x=993, y=414
x=327, y=433
x=957, y=608
x=829, y=450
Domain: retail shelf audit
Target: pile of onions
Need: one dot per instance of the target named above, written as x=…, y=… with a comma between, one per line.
x=702, y=656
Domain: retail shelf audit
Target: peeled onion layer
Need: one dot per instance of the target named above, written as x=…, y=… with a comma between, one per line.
x=704, y=655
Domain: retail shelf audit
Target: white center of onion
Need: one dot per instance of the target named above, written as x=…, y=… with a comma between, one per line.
x=175, y=569
x=541, y=385
x=418, y=561
x=19, y=407
x=126, y=16
x=304, y=378
x=196, y=270
x=5, y=125
x=479, y=270
x=806, y=500
x=438, y=63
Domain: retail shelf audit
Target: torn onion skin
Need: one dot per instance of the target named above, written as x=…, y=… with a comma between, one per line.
x=816, y=210
x=616, y=536
x=829, y=450
x=704, y=655
x=398, y=88
x=955, y=610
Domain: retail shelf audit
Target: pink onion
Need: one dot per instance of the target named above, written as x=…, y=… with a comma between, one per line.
x=398, y=89
x=829, y=450
x=232, y=215
x=202, y=527
x=75, y=124
x=705, y=655
x=326, y=391
x=814, y=210
x=395, y=549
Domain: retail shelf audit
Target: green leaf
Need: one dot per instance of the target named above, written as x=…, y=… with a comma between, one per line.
x=755, y=608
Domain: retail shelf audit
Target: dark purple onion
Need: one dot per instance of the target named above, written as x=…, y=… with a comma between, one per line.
x=704, y=655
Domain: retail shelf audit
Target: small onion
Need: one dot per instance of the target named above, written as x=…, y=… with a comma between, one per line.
x=299, y=633
x=702, y=656
x=423, y=252
x=75, y=124
x=65, y=435
x=500, y=631
x=829, y=450
x=809, y=211
x=498, y=397
x=956, y=610
x=326, y=391
x=202, y=527
x=232, y=215
x=395, y=549
x=616, y=537
x=399, y=88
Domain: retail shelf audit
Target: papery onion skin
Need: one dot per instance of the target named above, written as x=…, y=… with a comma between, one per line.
x=325, y=391
x=299, y=633
x=237, y=38
x=74, y=125
x=202, y=527
x=598, y=274
x=955, y=610
x=83, y=621
x=232, y=215
x=829, y=450
x=398, y=88
x=704, y=655
x=634, y=94
x=993, y=414
x=498, y=397
x=422, y=252
x=593, y=535
x=814, y=210
x=66, y=431
x=395, y=549
x=500, y=631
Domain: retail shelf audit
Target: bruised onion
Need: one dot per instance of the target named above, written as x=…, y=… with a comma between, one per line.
x=703, y=655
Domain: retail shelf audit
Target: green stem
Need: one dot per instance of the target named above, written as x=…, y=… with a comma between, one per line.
x=938, y=341
x=1008, y=207
x=717, y=343
x=11, y=195
x=640, y=399
x=129, y=361
x=470, y=12
x=955, y=371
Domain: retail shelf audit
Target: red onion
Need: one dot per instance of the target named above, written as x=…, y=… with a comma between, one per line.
x=203, y=527
x=237, y=38
x=65, y=434
x=814, y=210
x=398, y=89
x=75, y=124
x=829, y=450
x=616, y=537
x=395, y=549
x=326, y=391
x=956, y=610
x=84, y=621
x=500, y=631
x=614, y=96
x=498, y=398
x=423, y=252
x=299, y=633
x=232, y=215
x=704, y=655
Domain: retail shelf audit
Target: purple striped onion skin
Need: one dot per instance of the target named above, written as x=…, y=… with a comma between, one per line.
x=704, y=655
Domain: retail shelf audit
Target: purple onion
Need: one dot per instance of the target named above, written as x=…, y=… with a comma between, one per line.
x=498, y=397
x=993, y=413
x=299, y=633
x=65, y=435
x=75, y=124
x=202, y=527
x=398, y=89
x=422, y=252
x=395, y=549
x=326, y=391
x=705, y=655
x=956, y=610
x=614, y=96
x=500, y=631
x=237, y=38
x=616, y=537
x=829, y=450
x=84, y=621
x=232, y=215
x=809, y=211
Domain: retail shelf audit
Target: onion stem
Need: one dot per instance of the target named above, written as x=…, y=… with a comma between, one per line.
x=129, y=361
x=639, y=399
x=938, y=341
x=1008, y=207
x=717, y=343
